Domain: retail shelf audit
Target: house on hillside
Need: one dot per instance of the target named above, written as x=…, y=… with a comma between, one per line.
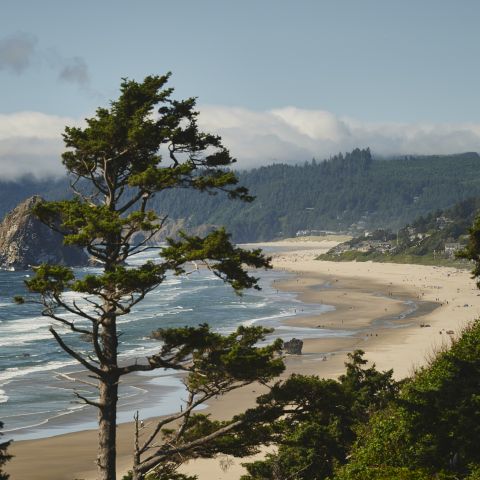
x=442, y=222
x=374, y=246
x=452, y=248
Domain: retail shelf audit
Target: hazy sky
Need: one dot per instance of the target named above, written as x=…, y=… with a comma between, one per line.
x=279, y=80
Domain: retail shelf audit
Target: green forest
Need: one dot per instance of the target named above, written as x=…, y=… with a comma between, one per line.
x=348, y=192
x=339, y=194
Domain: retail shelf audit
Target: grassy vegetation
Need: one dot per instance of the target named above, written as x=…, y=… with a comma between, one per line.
x=320, y=238
x=428, y=259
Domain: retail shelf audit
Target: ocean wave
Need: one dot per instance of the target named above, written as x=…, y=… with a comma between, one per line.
x=148, y=315
x=290, y=312
x=31, y=414
x=283, y=314
x=25, y=324
x=15, y=372
x=18, y=340
x=141, y=351
x=174, y=300
x=24, y=330
x=58, y=413
x=171, y=281
x=3, y=396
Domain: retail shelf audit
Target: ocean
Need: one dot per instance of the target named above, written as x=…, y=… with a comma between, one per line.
x=37, y=401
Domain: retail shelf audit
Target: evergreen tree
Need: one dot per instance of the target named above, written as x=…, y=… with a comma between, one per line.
x=472, y=250
x=142, y=144
x=4, y=457
x=317, y=420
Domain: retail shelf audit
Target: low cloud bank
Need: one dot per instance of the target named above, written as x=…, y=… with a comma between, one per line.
x=293, y=135
x=31, y=142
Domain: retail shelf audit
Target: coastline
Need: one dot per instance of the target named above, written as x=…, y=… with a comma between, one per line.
x=446, y=298
x=369, y=301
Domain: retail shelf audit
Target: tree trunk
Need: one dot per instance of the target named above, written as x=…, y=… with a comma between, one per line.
x=107, y=429
x=136, y=474
x=108, y=386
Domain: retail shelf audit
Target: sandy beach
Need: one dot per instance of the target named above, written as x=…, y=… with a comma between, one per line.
x=398, y=314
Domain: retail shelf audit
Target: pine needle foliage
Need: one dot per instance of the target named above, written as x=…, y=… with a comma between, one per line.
x=144, y=143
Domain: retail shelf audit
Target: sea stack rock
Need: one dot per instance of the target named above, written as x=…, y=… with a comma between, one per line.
x=25, y=241
x=294, y=346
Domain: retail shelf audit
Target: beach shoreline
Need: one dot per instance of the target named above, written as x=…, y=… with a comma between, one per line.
x=369, y=301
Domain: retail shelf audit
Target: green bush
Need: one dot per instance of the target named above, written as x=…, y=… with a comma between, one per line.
x=435, y=423
x=391, y=473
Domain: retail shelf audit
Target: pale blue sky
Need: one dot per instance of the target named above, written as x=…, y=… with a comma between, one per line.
x=374, y=60
x=382, y=61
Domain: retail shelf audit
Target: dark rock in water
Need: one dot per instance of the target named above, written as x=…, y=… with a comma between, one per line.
x=25, y=241
x=293, y=346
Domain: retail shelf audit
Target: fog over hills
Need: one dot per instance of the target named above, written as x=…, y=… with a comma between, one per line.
x=31, y=142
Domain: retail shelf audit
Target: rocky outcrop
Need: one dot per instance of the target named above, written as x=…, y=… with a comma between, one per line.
x=293, y=346
x=25, y=241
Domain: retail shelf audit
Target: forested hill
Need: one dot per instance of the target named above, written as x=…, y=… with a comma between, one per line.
x=430, y=239
x=13, y=193
x=343, y=193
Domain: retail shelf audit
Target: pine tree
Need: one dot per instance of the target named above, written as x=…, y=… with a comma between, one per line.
x=4, y=457
x=143, y=144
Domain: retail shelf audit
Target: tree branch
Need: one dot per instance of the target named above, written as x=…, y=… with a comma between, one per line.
x=74, y=354
x=170, y=419
x=49, y=313
x=87, y=401
x=79, y=380
x=152, y=461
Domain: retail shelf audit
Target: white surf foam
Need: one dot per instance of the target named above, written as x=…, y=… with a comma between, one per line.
x=15, y=372
x=3, y=396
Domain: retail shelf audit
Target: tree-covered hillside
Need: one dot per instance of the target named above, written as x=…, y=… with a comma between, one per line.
x=13, y=193
x=347, y=192
x=433, y=238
